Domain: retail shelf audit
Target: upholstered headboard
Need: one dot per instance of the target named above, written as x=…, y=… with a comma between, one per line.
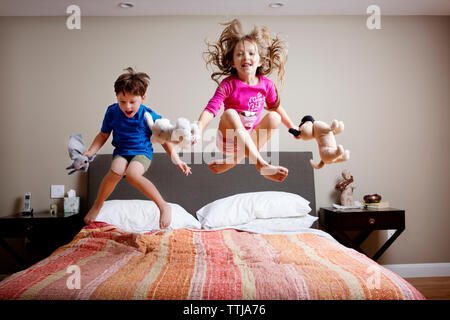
x=203, y=186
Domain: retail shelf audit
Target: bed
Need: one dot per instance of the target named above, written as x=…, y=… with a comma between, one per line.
x=220, y=262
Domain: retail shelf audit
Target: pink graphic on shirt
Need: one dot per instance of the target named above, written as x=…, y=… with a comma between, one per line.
x=256, y=103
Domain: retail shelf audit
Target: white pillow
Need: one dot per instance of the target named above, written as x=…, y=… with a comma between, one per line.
x=245, y=207
x=141, y=216
x=279, y=225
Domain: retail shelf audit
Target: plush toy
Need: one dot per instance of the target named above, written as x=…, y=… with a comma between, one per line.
x=324, y=134
x=183, y=133
x=76, y=149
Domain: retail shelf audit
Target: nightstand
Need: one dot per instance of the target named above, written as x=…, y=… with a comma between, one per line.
x=43, y=232
x=337, y=222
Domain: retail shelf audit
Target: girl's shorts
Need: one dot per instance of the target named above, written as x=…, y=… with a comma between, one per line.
x=144, y=160
x=226, y=145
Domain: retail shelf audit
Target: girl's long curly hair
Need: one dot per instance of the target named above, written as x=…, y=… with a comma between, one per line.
x=272, y=51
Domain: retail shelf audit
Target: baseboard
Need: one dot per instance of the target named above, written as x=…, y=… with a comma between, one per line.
x=420, y=270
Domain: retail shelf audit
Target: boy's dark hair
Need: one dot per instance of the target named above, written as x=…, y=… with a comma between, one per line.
x=132, y=82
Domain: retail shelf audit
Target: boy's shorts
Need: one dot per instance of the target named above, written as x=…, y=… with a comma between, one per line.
x=144, y=160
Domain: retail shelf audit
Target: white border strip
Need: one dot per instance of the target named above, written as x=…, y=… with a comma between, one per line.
x=419, y=270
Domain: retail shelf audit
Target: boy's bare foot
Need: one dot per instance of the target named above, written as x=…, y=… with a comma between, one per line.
x=165, y=217
x=221, y=165
x=274, y=173
x=91, y=215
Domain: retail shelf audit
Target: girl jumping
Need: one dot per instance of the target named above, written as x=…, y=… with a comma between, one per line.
x=245, y=59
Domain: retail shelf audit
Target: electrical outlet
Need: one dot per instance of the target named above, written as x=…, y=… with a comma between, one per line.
x=390, y=233
x=57, y=191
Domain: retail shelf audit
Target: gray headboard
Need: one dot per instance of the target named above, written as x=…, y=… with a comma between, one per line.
x=203, y=186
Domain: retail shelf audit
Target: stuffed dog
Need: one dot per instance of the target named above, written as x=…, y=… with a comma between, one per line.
x=324, y=134
x=183, y=133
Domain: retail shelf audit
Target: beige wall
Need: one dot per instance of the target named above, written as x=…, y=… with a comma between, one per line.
x=389, y=86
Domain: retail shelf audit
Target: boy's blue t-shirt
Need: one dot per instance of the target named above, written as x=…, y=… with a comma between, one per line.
x=131, y=136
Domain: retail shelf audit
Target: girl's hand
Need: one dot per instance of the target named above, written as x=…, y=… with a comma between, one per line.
x=202, y=124
x=294, y=130
x=184, y=168
x=196, y=134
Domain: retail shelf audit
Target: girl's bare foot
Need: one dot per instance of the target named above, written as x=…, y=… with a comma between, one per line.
x=165, y=216
x=221, y=165
x=274, y=173
x=91, y=215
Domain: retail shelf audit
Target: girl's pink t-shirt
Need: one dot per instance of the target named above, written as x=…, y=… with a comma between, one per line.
x=247, y=100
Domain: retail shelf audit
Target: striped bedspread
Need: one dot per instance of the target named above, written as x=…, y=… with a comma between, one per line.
x=102, y=262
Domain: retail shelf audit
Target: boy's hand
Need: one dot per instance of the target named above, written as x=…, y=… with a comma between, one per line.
x=87, y=154
x=184, y=168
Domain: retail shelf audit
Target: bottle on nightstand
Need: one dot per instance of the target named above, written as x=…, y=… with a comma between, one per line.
x=53, y=210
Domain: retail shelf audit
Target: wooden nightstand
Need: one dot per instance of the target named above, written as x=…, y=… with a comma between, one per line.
x=44, y=233
x=337, y=222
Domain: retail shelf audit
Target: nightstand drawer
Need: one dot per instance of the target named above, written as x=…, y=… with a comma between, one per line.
x=375, y=221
